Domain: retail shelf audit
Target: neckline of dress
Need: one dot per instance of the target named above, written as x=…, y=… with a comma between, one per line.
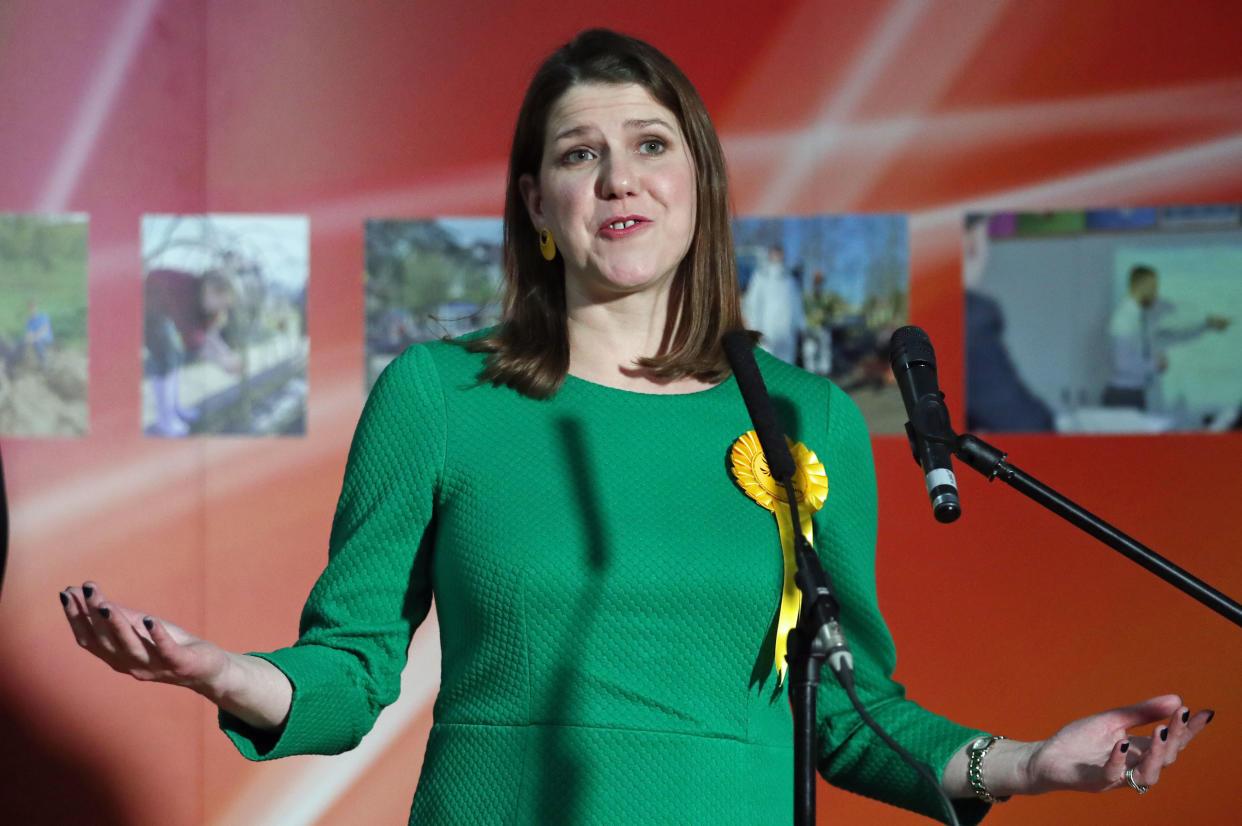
x=572, y=380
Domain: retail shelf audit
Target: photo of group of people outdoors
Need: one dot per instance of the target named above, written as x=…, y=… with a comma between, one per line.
x=225, y=347
x=1104, y=321
x=43, y=334
x=826, y=292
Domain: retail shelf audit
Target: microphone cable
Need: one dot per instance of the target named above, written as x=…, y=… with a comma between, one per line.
x=846, y=678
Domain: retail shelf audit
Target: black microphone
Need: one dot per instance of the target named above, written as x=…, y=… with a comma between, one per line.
x=931, y=435
x=737, y=346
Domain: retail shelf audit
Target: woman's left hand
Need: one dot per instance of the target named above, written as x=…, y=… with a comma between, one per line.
x=1093, y=754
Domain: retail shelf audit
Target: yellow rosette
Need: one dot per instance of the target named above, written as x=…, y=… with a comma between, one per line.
x=750, y=471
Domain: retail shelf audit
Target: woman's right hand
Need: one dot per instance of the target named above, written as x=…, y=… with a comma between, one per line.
x=140, y=645
x=149, y=648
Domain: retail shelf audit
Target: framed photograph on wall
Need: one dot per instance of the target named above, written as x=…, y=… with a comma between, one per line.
x=826, y=292
x=225, y=345
x=1127, y=321
x=43, y=325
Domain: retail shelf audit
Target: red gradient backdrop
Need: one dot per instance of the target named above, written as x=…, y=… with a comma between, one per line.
x=345, y=110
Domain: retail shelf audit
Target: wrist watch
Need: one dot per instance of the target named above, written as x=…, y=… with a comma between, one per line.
x=974, y=769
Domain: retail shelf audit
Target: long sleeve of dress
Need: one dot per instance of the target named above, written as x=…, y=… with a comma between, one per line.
x=850, y=755
x=376, y=589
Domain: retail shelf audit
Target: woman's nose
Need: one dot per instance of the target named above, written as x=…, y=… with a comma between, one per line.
x=618, y=178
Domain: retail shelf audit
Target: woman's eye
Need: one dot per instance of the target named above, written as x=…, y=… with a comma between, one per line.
x=579, y=156
x=652, y=146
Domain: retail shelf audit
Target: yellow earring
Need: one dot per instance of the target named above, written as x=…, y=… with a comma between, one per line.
x=546, y=245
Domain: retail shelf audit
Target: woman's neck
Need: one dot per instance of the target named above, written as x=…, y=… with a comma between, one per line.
x=606, y=340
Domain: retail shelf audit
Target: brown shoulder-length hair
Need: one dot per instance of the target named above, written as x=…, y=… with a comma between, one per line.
x=529, y=349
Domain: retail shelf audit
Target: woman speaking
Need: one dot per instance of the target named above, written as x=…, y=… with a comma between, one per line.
x=609, y=594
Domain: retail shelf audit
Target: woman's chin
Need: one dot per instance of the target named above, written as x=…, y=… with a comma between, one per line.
x=627, y=281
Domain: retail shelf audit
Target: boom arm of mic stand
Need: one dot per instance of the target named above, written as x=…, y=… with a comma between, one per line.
x=990, y=461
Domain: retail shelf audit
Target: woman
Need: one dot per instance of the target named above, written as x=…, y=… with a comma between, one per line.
x=605, y=591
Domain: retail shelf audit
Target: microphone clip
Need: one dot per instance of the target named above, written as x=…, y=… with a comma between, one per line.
x=929, y=425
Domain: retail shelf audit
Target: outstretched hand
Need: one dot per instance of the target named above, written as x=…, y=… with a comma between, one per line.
x=148, y=648
x=1093, y=754
x=140, y=645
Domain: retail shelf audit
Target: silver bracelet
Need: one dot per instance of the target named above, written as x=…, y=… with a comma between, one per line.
x=974, y=769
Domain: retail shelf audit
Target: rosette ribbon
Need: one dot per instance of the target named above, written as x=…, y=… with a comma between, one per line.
x=751, y=473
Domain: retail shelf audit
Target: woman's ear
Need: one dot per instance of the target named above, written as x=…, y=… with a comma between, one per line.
x=529, y=187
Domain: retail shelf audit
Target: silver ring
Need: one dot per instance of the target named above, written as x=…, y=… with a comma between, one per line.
x=1133, y=784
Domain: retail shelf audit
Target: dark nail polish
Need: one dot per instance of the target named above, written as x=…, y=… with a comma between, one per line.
x=1164, y=734
x=64, y=599
x=105, y=612
x=1186, y=716
x=88, y=590
x=1125, y=747
x=1211, y=714
x=148, y=622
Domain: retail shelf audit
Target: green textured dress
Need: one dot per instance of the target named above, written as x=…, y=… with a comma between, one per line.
x=606, y=598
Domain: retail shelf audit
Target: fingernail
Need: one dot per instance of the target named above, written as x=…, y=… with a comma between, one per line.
x=64, y=599
x=105, y=612
x=1211, y=714
x=1125, y=747
x=148, y=622
x=88, y=590
x=1186, y=716
x=1164, y=734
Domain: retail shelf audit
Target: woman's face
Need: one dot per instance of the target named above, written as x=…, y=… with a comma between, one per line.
x=616, y=189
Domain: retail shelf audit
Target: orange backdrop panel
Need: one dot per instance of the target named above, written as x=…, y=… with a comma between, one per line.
x=342, y=111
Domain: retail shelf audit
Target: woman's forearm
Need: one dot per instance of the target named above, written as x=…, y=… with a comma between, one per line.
x=1004, y=767
x=253, y=690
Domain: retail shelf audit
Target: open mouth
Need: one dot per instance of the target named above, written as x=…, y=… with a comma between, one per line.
x=623, y=225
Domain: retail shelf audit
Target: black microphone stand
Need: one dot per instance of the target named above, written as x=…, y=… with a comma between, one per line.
x=990, y=461
x=817, y=637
